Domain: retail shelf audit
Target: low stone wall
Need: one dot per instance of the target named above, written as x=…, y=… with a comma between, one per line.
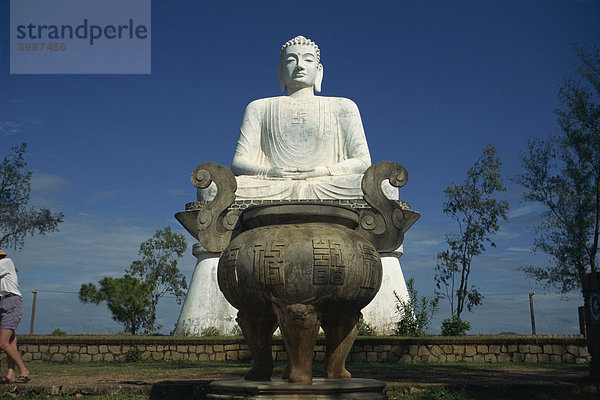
x=517, y=349
x=530, y=349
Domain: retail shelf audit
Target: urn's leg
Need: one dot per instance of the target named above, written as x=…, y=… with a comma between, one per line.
x=258, y=330
x=299, y=324
x=341, y=331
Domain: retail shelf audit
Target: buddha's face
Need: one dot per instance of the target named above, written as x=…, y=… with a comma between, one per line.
x=299, y=66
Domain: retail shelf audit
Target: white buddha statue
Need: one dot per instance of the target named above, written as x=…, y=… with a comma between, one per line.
x=300, y=146
x=297, y=146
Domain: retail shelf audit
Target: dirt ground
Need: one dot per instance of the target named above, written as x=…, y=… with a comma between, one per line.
x=161, y=382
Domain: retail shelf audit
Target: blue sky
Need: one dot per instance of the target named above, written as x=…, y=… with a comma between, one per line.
x=435, y=81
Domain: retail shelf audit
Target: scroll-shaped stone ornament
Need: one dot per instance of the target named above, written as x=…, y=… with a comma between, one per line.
x=215, y=224
x=385, y=223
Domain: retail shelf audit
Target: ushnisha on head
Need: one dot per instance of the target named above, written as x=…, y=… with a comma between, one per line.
x=300, y=65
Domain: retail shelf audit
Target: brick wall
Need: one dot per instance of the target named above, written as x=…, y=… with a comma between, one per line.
x=570, y=349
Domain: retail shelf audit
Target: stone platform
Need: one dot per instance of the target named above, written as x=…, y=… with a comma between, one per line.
x=322, y=389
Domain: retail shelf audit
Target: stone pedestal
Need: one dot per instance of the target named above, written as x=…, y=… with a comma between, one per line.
x=204, y=305
x=591, y=291
x=322, y=389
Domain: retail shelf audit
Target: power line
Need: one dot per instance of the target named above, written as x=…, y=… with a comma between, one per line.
x=55, y=291
x=538, y=294
x=67, y=292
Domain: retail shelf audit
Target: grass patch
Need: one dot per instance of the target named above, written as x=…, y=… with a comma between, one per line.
x=431, y=394
x=492, y=393
x=140, y=367
x=111, y=396
x=462, y=366
x=208, y=367
x=59, y=334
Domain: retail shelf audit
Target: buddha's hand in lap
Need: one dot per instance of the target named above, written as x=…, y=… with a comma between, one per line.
x=298, y=173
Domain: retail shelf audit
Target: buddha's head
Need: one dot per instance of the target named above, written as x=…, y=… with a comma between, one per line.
x=300, y=65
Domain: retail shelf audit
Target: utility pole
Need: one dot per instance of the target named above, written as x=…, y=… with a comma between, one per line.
x=532, y=314
x=33, y=312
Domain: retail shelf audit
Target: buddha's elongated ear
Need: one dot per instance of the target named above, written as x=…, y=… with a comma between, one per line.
x=280, y=78
x=319, y=78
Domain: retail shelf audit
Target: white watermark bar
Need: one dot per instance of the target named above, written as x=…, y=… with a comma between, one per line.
x=80, y=37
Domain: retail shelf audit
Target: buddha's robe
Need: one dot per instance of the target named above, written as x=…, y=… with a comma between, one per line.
x=283, y=132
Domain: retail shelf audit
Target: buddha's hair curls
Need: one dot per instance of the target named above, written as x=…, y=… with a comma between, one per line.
x=300, y=40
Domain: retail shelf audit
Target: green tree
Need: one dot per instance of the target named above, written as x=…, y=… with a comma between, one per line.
x=477, y=214
x=454, y=326
x=415, y=313
x=127, y=298
x=562, y=174
x=17, y=219
x=158, y=268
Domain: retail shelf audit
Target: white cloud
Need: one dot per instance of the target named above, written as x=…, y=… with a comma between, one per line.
x=102, y=196
x=525, y=210
x=506, y=234
x=44, y=183
x=47, y=189
x=9, y=128
x=520, y=249
x=419, y=241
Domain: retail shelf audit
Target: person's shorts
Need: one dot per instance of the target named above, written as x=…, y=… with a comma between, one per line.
x=11, y=310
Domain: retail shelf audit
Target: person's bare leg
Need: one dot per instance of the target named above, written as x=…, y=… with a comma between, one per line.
x=11, y=351
x=10, y=374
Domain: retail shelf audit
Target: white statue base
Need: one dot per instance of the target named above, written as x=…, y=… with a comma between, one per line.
x=380, y=313
x=204, y=305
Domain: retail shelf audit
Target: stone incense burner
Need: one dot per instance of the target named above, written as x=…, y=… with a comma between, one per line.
x=299, y=265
